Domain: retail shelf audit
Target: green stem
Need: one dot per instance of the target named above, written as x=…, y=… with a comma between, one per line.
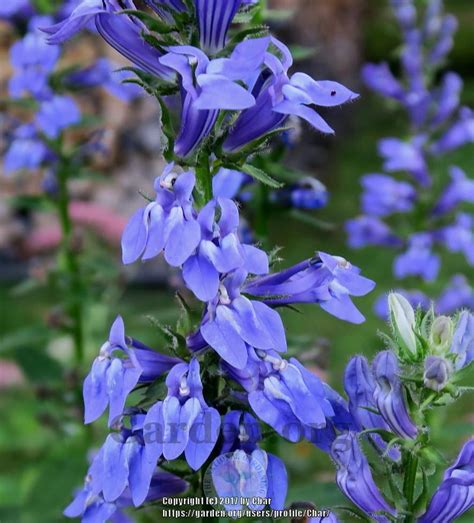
x=69, y=262
x=409, y=483
x=204, y=179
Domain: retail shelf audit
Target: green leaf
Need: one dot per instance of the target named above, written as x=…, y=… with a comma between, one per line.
x=260, y=176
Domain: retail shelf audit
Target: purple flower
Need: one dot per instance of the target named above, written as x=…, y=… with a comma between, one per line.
x=459, y=134
x=437, y=371
x=326, y=280
x=167, y=224
x=463, y=340
x=101, y=73
x=359, y=385
x=220, y=250
x=455, y=493
x=204, y=93
x=120, y=31
x=241, y=432
x=459, y=237
x=457, y=294
x=14, y=8
x=278, y=96
x=380, y=79
x=121, y=465
x=368, y=230
x=292, y=400
x=26, y=150
x=307, y=193
x=444, y=41
x=354, y=477
x=405, y=156
x=232, y=322
x=33, y=60
x=227, y=183
x=461, y=189
x=112, y=378
x=183, y=422
x=389, y=396
x=383, y=195
x=447, y=97
x=418, y=260
x=214, y=19
x=57, y=114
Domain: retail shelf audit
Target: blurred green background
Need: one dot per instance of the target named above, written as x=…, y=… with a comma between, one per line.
x=43, y=455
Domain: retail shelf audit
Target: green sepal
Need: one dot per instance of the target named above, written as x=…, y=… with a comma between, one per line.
x=153, y=24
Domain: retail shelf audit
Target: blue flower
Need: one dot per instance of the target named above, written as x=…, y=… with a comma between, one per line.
x=389, y=395
x=383, y=195
x=463, y=340
x=400, y=155
x=220, y=250
x=456, y=295
x=241, y=432
x=204, y=94
x=56, y=115
x=102, y=74
x=418, y=260
x=120, y=466
x=459, y=237
x=369, y=230
x=459, y=134
x=112, y=378
x=26, y=150
x=183, y=422
x=167, y=224
x=437, y=371
x=307, y=193
x=214, y=19
x=14, y=8
x=33, y=60
x=447, y=98
x=461, y=189
x=359, y=385
x=121, y=32
x=233, y=322
x=354, y=477
x=379, y=78
x=326, y=280
x=291, y=399
x=278, y=96
x=455, y=494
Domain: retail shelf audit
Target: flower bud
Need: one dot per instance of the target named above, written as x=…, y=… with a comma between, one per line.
x=402, y=317
x=437, y=373
x=441, y=334
x=463, y=340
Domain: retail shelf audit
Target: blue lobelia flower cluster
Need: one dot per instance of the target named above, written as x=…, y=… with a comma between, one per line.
x=391, y=402
x=32, y=144
x=414, y=206
x=194, y=405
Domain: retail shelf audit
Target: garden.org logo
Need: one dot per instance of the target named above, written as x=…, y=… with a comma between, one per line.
x=205, y=432
x=237, y=481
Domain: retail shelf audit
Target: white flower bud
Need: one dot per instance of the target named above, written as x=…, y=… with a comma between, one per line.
x=402, y=317
x=441, y=334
